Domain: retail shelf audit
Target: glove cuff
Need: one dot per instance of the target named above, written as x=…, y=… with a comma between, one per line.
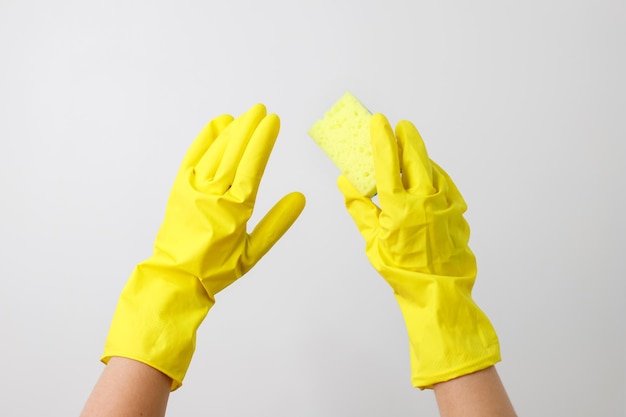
x=449, y=334
x=156, y=319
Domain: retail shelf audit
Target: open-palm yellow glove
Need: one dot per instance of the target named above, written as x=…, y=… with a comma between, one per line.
x=418, y=241
x=203, y=244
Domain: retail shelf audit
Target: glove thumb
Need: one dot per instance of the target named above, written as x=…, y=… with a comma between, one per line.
x=272, y=227
x=362, y=209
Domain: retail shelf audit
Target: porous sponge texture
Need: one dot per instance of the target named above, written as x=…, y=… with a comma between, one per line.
x=344, y=135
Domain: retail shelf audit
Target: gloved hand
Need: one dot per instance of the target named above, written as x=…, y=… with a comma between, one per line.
x=203, y=244
x=418, y=241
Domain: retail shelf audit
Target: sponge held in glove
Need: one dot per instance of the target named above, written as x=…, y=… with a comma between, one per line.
x=344, y=135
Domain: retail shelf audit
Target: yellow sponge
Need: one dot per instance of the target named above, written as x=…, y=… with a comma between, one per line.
x=344, y=135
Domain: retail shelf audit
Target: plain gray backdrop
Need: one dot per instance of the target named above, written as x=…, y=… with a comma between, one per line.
x=522, y=103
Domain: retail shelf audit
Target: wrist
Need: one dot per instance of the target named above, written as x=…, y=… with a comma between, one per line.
x=449, y=334
x=156, y=319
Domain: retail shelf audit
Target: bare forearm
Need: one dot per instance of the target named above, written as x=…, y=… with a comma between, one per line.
x=128, y=388
x=480, y=394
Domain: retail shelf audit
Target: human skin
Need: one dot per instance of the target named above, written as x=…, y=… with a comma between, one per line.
x=479, y=394
x=128, y=388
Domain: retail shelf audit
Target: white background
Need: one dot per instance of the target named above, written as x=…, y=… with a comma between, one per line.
x=522, y=103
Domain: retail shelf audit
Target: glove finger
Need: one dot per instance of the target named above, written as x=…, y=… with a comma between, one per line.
x=444, y=184
x=417, y=176
x=386, y=162
x=217, y=167
x=362, y=209
x=204, y=140
x=271, y=228
x=457, y=228
x=250, y=171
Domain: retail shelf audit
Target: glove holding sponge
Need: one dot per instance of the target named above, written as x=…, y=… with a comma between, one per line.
x=417, y=239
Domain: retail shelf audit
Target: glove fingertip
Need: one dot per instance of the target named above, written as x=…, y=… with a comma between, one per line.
x=297, y=202
x=273, y=226
x=345, y=186
x=221, y=122
x=379, y=120
x=205, y=139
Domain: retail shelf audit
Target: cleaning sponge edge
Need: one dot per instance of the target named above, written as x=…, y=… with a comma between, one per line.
x=344, y=135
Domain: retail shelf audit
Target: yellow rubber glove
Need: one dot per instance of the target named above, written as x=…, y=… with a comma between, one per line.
x=203, y=244
x=418, y=241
